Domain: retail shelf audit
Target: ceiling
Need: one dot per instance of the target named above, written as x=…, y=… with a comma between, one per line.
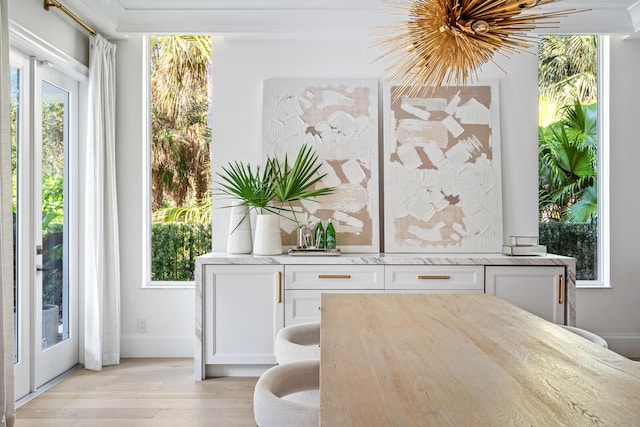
x=306, y=18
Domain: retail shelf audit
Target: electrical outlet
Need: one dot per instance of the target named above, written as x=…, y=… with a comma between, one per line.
x=142, y=326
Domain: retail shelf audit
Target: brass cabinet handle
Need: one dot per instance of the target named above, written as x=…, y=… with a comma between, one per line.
x=279, y=287
x=334, y=276
x=434, y=277
x=561, y=289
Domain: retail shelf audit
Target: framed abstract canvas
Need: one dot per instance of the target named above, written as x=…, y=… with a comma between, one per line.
x=442, y=177
x=339, y=119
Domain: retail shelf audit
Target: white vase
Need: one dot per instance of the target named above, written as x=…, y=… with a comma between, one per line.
x=268, y=240
x=239, y=240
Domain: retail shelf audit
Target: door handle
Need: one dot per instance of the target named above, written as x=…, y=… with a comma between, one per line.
x=561, y=289
x=41, y=268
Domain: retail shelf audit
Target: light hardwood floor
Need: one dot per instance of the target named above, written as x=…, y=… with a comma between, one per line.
x=142, y=393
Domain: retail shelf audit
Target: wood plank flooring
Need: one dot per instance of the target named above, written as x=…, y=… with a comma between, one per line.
x=142, y=393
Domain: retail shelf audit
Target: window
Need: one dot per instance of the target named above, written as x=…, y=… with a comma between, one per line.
x=572, y=138
x=178, y=178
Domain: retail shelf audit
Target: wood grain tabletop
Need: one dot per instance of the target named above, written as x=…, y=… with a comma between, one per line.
x=460, y=359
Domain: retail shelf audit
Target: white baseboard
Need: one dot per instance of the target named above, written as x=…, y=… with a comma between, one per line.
x=156, y=346
x=625, y=344
x=235, y=370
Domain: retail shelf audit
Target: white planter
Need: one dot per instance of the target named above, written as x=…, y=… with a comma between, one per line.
x=268, y=240
x=239, y=240
x=49, y=325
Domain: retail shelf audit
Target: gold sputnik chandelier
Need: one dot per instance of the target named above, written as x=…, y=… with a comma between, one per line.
x=447, y=41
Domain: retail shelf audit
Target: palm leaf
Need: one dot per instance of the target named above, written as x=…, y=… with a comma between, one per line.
x=295, y=183
x=253, y=189
x=586, y=208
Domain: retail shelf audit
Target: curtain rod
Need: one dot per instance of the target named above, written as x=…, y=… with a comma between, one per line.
x=56, y=3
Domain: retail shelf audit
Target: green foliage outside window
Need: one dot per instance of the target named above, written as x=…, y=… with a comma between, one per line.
x=568, y=149
x=52, y=261
x=180, y=155
x=53, y=166
x=174, y=248
x=579, y=241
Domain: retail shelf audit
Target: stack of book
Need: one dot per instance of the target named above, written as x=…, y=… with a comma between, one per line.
x=524, y=246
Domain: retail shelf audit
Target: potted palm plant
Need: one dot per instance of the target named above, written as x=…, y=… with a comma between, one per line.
x=250, y=189
x=271, y=193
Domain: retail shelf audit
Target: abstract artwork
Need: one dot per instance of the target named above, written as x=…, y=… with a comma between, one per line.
x=442, y=183
x=339, y=119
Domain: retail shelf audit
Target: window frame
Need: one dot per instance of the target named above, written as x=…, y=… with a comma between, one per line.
x=603, y=252
x=147, y=282
x=603, y=77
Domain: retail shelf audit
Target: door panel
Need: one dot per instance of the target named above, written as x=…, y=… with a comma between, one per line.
x=44, y=133
x=20, y=151
x=56, y=301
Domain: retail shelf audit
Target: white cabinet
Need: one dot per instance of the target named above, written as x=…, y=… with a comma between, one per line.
x=242, y=301
x=243, y=311
x=434, y=279
x=305, y=285
x=540, y=290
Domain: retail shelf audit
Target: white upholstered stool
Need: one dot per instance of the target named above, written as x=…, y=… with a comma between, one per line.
x=588, y=335
x=298, y=342
x=288, y=395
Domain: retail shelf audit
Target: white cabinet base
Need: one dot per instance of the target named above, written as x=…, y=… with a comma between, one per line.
x=243, y=300
x=243, y=311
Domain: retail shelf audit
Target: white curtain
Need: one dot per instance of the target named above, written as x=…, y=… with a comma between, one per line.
x=6, y=232
x=102, y=258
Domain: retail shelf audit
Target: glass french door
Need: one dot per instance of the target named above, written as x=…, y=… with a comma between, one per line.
x=44, y=138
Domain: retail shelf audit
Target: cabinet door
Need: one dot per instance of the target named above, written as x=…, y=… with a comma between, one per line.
x=539, y=290
x=244, y=310
x=303, y=306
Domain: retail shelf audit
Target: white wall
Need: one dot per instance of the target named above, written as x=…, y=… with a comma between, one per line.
x=169, y=313
x=240, y=66
x=52, y=26
x=615, y=313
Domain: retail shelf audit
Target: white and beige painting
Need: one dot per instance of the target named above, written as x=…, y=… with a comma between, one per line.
x=339, y=119
x=442, y=171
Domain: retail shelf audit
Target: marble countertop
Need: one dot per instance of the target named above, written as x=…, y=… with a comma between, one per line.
x=386, y=259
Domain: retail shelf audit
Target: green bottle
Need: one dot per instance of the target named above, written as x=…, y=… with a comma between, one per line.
x=319, y=236
x=330, y=236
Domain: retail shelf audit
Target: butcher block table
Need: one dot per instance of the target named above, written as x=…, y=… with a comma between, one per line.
x=464, y=360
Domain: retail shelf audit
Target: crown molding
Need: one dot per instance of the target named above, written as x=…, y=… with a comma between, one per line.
x=101, y=15
x=634, y=14
x=311, y=19
x=247, y=23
